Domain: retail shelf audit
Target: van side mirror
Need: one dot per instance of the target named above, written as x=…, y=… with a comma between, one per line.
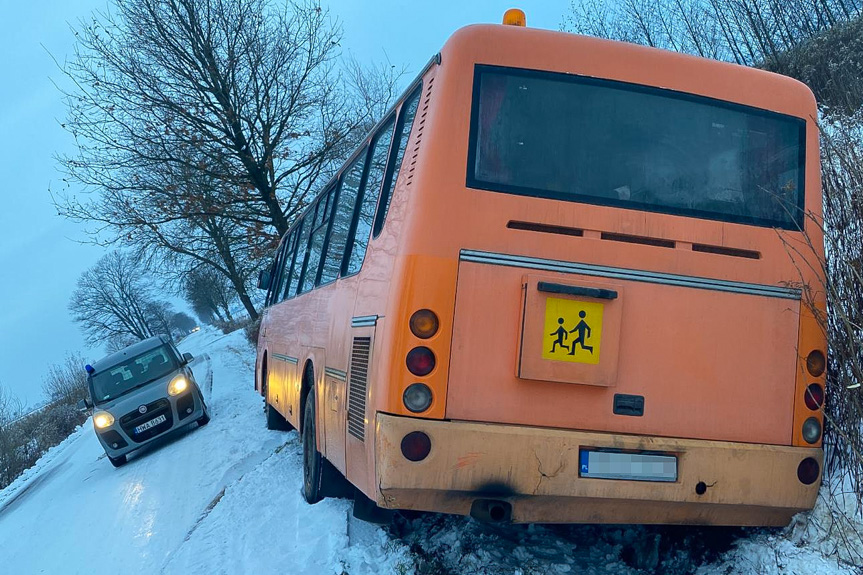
x=264, y=279
x=84, y=404
x=188, y=357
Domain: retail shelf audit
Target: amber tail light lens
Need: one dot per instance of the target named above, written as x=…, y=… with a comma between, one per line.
x=424, y=323
x=816, y=363
x=420, y=361
x=807, y=471
x=416, y=446
x=814, y=396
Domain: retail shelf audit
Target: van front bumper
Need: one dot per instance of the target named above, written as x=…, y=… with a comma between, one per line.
x=178, y=416
x=536, y=471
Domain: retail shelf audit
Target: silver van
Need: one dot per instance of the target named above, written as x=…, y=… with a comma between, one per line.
x=140, y=393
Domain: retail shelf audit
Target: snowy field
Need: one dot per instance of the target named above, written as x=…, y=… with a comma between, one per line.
x=226, y=499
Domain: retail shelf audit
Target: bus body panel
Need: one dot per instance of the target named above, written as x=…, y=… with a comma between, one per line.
x=415, y=263
x=708, y=364
x=536, y=470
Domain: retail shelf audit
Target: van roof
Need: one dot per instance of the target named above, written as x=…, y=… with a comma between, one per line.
x=127, y=352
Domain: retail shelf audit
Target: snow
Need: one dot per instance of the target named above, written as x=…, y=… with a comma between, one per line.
x=226, y=498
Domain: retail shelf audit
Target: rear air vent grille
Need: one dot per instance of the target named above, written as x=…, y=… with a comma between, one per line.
x=544, y=228
x=420, y=122
x=645, y=241
x=723, y=251
x=358, y=383
x=629, y=239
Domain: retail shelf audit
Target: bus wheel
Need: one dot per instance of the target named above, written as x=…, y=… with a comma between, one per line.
x=274, y=418
x=311, y=456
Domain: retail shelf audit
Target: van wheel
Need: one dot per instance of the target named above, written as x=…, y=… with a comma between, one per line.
x=117, y=461
x=311, y=455
x=275, y=420
x=204, y=419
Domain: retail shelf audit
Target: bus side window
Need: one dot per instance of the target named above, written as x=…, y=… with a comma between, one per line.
x=317, y=241
x=347, y=199
x=397, y=154
x=368, y=200
x=288, y=264
x=300, y=254
x=276, y=271
x=281, y=269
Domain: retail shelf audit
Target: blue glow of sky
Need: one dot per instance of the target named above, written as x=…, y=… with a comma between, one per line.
x=41, y=255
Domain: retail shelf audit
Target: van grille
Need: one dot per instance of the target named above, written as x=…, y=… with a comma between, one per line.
x=133, y=419
x=358, y=383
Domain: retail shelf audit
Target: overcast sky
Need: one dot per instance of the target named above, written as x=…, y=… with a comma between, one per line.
x=41, y=255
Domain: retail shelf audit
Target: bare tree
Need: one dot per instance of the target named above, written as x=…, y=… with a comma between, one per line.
x=66, y=382
x=749, y=32
x=111, y=300
x=209, y=294
x=203, y=125
x=159, y=314
x=182, y=323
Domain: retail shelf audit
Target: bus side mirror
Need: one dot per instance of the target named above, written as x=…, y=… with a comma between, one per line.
x=264, y=279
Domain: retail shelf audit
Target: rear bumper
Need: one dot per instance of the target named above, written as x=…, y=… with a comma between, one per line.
x=536, y=470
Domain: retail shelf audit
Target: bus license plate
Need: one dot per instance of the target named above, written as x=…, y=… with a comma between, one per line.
x=632, y=466
x=152, y=423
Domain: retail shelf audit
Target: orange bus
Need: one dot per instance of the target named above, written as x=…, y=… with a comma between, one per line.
x=561, y=281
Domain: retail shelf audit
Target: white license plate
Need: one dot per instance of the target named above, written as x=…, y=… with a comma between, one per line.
x=632, y=466
x=152, y=423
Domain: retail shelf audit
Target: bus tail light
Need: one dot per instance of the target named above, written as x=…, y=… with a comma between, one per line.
x=424, y=323
x=814, y=396
x=416, y=446
x=807, y=471
x=417, y=397
x=816, y=363
x=811, y=430
x=420, y=361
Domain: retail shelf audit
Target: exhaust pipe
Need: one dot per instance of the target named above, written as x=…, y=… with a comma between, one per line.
x=491, y=511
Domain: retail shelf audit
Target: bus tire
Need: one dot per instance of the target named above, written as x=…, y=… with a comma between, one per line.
x=312, y=460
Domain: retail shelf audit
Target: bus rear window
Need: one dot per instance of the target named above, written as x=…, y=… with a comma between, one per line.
x=602, y=142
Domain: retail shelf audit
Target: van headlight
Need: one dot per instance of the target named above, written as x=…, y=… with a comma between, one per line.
x=178, y=385
x=103, y=419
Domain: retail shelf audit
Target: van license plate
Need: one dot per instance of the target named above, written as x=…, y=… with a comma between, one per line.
x=632, y=466
x=152, y=423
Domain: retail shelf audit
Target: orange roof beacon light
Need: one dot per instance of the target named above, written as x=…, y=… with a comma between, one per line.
x=514, y=17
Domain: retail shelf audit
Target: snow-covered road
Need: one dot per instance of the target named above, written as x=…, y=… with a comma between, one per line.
x=220, y=499
x=226, y=499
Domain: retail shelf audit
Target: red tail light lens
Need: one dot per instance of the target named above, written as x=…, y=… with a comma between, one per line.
x=814, y=396
x=424, y=323
x=420, y=361
x=816, y=363
x=807, y=471
x=416, y=446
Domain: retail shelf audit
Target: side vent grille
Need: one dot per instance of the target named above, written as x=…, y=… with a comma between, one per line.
x=358, y=383
x=422, y=113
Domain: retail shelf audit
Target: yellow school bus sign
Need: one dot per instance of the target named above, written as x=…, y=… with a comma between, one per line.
x=573, y=330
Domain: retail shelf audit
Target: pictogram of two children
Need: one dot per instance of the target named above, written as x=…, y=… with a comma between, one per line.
x=583, y=333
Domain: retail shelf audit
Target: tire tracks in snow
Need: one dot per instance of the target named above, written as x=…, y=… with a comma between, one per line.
x=233, y=476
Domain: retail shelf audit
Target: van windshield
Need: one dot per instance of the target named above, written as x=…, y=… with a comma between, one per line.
x=604, y=142
x=135, y=372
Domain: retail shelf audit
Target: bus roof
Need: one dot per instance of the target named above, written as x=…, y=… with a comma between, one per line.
x=537, y=49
